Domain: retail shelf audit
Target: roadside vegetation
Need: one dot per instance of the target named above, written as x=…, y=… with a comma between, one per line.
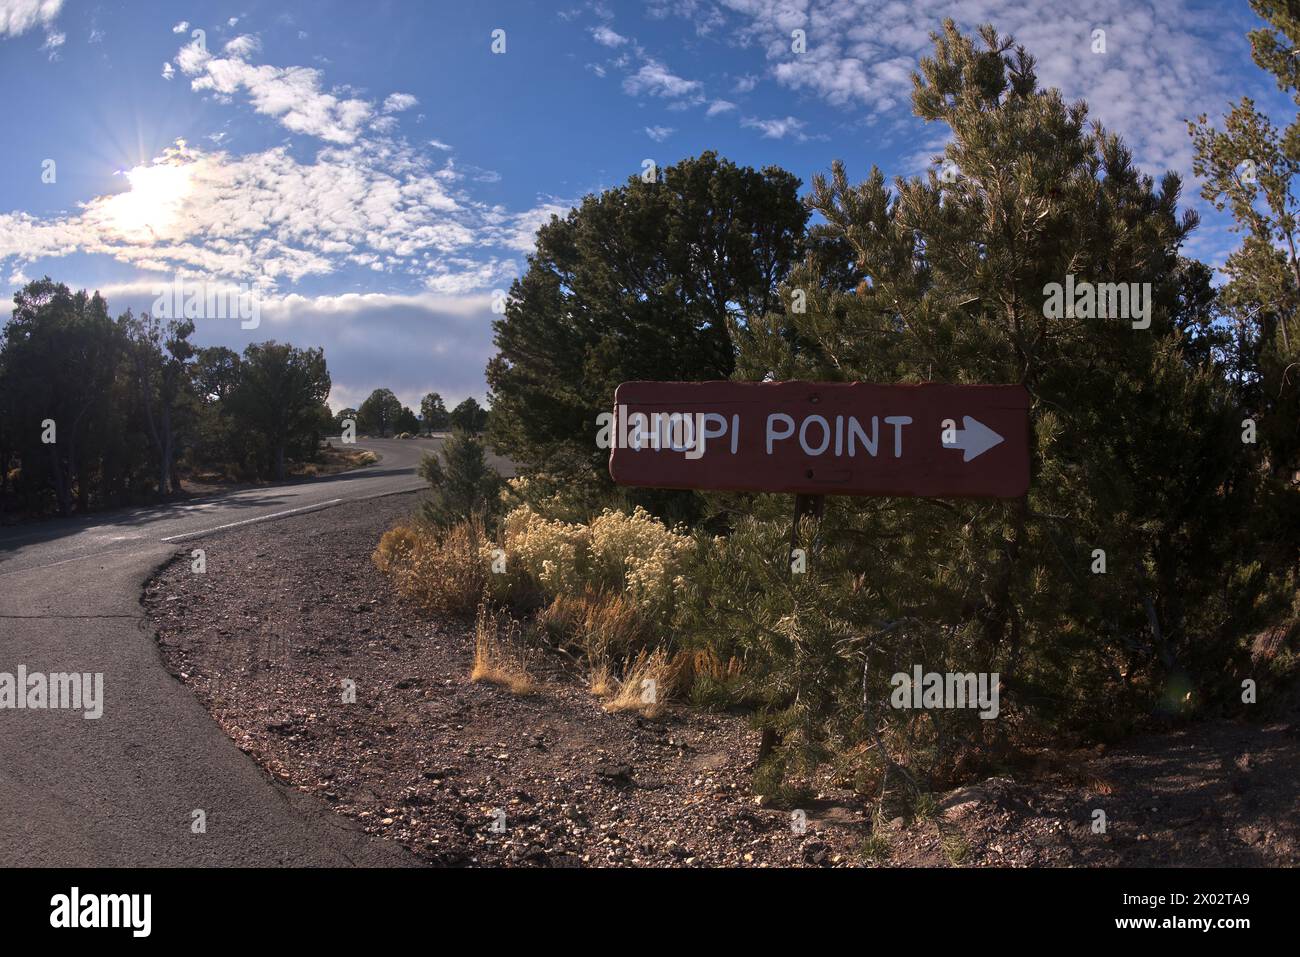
x=1149, y=574
x=331, y=459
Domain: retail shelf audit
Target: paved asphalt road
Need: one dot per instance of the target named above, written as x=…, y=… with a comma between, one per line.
x=119, y=791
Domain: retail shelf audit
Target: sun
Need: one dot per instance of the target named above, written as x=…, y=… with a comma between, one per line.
x=153, y=203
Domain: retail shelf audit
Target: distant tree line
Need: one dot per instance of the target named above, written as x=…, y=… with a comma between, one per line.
x=101, y=411
x=382, y=414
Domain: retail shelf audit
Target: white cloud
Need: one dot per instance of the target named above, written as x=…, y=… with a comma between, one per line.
x=181, y=27
x=411, y=344
x=519, y=232
x=839, y=80
x=397, y=102
x=241, y=47
x=52, y=43
x=607, y=37
x=1161, y=65
x=19, y=16
x=659, y=133
x=462, y=276
x=267, y=219
x=655, y=79
x=776, y=129
x=440, y=145
x=291, y=95
x=719, y=106
x=168, y=71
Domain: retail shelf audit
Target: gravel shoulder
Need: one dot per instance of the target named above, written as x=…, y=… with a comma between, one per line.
x=469, y=774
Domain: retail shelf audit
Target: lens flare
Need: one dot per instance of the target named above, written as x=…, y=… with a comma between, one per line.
x=153, y=204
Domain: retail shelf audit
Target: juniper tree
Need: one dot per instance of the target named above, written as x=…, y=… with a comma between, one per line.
x=648, y=280
x=278, y=403
x=433, y=413
x=469, y=416
x=60, y=356
x=343, y=416
x=379, y=413
x=406, y=422
x=162, y=356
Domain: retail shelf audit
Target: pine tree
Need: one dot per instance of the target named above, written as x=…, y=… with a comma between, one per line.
x=1250, y=168
x=462, y=484
x=1134, y=447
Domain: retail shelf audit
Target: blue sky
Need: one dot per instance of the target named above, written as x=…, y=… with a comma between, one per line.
x=375, y=171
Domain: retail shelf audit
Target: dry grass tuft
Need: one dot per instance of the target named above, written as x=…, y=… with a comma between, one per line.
x=442, y=572
x=499, y=659
x=602, y=625
x=602, y=683
x=647, y=684
x=563, y=619
x=705, y=663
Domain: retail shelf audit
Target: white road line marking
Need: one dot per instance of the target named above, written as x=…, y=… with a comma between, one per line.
x=80, y=558
x=250, y=521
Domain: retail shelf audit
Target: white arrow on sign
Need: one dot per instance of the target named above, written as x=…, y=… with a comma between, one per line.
x=974, y=440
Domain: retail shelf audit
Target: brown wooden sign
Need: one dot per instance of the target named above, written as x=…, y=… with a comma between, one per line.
x=823, y=438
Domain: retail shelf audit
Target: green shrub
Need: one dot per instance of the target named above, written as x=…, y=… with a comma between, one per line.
x=463, y=486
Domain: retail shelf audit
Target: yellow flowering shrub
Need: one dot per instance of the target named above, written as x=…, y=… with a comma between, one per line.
x=553, y=553
x=618, y=552
x=639, y=554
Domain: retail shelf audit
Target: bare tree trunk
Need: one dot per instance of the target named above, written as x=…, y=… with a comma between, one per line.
x=83, y=487
x=1158, y=636
x=167, y=448
x=4, y=479
x=164, y=470
x=61, y=491
x=1295, y=272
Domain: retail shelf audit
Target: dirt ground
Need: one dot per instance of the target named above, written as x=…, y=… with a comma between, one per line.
x=469, y=774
